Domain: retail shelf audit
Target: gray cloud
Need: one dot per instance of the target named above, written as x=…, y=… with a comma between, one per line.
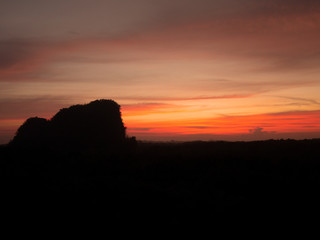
x=78, y=18
x=284, y=32
x=140, y=129
x=200, y=127
x=259, y=132
x=23, y=108
x=14, y=51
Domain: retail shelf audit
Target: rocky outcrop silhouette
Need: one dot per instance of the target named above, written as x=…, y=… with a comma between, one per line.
x=97, y=124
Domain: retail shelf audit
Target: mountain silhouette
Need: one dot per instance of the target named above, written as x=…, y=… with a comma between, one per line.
x=82, y=161
x=95, y=125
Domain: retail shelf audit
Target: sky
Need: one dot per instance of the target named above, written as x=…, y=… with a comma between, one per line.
x=180, y=69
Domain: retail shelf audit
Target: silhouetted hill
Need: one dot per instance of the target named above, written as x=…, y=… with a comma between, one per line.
x=94, y=125
x=81, y=160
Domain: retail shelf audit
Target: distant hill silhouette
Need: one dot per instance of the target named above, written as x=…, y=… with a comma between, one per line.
x=97, y=124
x=82, y=161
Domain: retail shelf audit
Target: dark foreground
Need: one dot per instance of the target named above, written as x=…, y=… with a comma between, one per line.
x=177, y=183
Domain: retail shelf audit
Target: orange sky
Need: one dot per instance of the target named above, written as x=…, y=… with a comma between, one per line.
x=181, y=70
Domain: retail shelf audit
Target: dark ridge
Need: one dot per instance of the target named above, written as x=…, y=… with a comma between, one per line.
x=81, y=162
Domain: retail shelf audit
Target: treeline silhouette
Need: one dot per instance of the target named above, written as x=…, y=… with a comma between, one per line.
x=82, y=161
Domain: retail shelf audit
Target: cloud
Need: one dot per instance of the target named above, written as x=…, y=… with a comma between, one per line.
x=12, y=52
x=201, y=127
x=262, y=30
x=131, y=130
x=307, y=100
x=185, y=98
x=146, y=109
x=25, y=107
x=259, y=132
x=144, y=106
x=19, y=57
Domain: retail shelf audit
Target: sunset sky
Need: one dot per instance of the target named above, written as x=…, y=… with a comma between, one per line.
x=180, y=69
